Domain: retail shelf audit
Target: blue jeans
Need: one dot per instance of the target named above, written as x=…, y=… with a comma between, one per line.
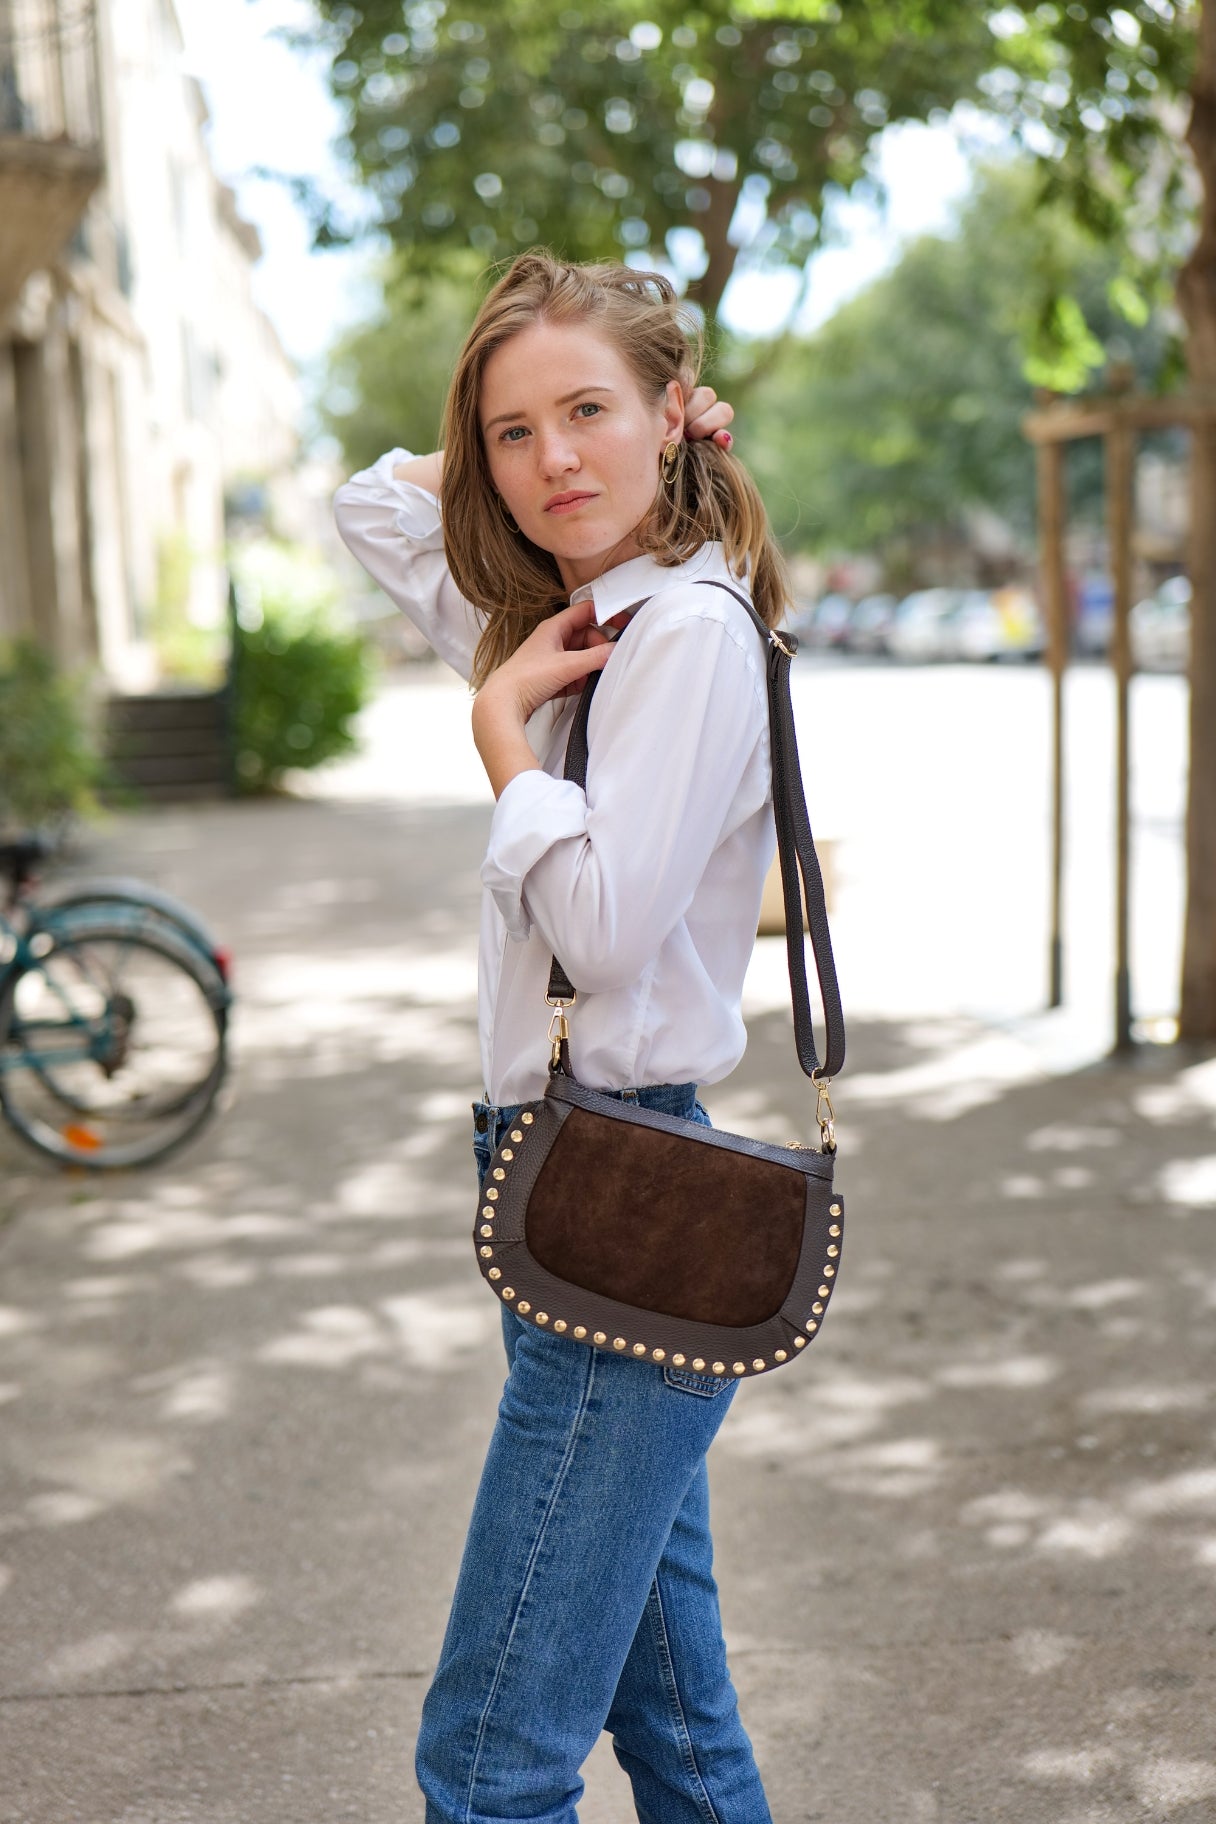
x=586, y=1597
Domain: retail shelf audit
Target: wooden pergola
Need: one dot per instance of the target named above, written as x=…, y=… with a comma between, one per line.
x=1117, y=419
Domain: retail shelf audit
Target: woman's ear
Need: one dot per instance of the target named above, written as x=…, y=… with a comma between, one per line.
x=673, y=413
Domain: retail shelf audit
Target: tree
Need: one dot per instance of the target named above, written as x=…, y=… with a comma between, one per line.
x=904, y=410
x=387, y=378
x=499, y=123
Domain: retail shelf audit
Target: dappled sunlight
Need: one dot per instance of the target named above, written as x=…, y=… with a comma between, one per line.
x=250, y=1389
x=215, y=1598
x=1190, y=1183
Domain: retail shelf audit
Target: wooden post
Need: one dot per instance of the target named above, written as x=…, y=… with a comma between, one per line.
x=1120, y=481
x=1050, y=466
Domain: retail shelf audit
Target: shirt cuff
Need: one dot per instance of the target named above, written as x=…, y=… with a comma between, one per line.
x=416, y=510
x=534, y=812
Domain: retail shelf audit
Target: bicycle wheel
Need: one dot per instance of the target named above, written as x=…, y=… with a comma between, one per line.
x=112, y=1043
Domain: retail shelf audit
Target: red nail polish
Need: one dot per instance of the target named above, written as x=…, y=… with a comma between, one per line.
x=729, y=441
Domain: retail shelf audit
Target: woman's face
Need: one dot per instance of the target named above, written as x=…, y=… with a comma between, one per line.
x=573, y=445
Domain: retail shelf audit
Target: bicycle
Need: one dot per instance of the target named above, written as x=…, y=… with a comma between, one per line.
x=114, y=1005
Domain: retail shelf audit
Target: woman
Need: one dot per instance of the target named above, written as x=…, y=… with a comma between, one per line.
x=584, y=497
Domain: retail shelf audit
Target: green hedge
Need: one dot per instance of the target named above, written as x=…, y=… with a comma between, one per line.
x=50, y=766
x=296, y=692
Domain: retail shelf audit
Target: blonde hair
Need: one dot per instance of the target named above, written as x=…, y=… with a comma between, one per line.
x=511, y=581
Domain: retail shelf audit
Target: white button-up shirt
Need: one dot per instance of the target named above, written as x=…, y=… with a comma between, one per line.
x=647, y=883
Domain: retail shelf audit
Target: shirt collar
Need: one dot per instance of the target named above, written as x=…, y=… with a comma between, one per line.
x=629, y=584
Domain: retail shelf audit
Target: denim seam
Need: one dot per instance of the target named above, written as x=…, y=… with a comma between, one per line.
x=555, y=1491
x=663, y=1645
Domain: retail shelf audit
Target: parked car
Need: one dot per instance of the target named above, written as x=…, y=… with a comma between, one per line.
x=1094, y=615
x=918, y=627
x=997, y=624
x=829, y=621
x=870, y=623
x=1161, y=628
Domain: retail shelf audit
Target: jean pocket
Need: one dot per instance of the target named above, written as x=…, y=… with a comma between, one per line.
x=706, y=1386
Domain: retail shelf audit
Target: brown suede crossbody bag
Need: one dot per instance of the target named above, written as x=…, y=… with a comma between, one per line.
x=652, y=1236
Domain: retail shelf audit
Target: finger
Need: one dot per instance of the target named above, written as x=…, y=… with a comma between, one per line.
x=718, y=416
x=699, y=400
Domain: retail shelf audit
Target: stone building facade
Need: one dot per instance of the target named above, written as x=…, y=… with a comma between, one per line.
x=138, y=377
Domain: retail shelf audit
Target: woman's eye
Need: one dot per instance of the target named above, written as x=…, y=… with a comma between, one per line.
x=587, y=409
x=513, y=433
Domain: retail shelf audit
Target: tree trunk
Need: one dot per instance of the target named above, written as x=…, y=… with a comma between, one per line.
x=715, y=227
x=1197, y=302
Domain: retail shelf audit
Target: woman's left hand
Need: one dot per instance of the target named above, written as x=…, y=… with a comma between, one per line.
x=705, y=415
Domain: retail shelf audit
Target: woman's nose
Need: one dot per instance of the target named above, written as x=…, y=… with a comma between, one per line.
x=556, y=454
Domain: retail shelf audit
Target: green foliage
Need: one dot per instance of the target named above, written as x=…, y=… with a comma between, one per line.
x=729, y=126
x=496, y=124
x=49, y=762
x=185, y=652
x=388, y=378
x=297, y=694
x=905, y=409
x=299, y=677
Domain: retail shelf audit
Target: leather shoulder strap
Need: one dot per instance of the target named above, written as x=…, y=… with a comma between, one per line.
x=801, y=875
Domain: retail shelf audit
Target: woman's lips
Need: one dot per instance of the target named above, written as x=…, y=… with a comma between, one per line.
x=566, y=503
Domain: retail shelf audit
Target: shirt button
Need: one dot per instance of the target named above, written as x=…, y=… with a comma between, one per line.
x=481, y=1122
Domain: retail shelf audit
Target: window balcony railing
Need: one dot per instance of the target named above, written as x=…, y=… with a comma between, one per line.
x=50, y=131
x=48, y=70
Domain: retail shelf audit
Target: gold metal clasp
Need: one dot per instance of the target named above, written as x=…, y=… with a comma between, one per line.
x=825, y=1115
x=776, y=639
x=559, y=1028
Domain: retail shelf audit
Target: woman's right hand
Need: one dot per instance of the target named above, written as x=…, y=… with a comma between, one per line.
x=554, y=661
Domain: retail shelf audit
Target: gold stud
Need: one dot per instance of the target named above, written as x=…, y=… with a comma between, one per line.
x=833, y=1252
x=740, y=1367
x=499, y=1173
x=559, y=1324
x=618, y=1342
x=506, y=1153
x=835, y=1210
x=488, y=1211
x=758, y=1364
x=659, y=1355
x=523, y=1306
x=529, y=1119
x=580, y=1330
x=817, y=1308
x=780, y=1355
x=835, y=1229
x=542, y=1317
x=486, y=1253
x=599, y=1337
x=812, y=1326
x=516, y=1135
x=698, y=1364
x=495, y=1272
x=508, y=1291
x=800, y=1342
x=639, y=1348
x=829, y=1272
x=492, y=1194
x=824, y=1290
x=486, y=1229
x=678, y=1360
x=719, y=1367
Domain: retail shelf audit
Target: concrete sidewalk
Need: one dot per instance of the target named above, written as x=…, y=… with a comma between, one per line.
x=967, y=1548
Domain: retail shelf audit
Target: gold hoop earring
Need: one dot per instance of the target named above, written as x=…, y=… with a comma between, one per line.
x=669, y=461
x=505, y=510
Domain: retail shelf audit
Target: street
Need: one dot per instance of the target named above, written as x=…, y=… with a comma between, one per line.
x=967, y=1549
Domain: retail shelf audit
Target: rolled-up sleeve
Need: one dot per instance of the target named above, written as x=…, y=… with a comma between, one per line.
x=395, y=530
x=678, y=756
x=533, y=812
